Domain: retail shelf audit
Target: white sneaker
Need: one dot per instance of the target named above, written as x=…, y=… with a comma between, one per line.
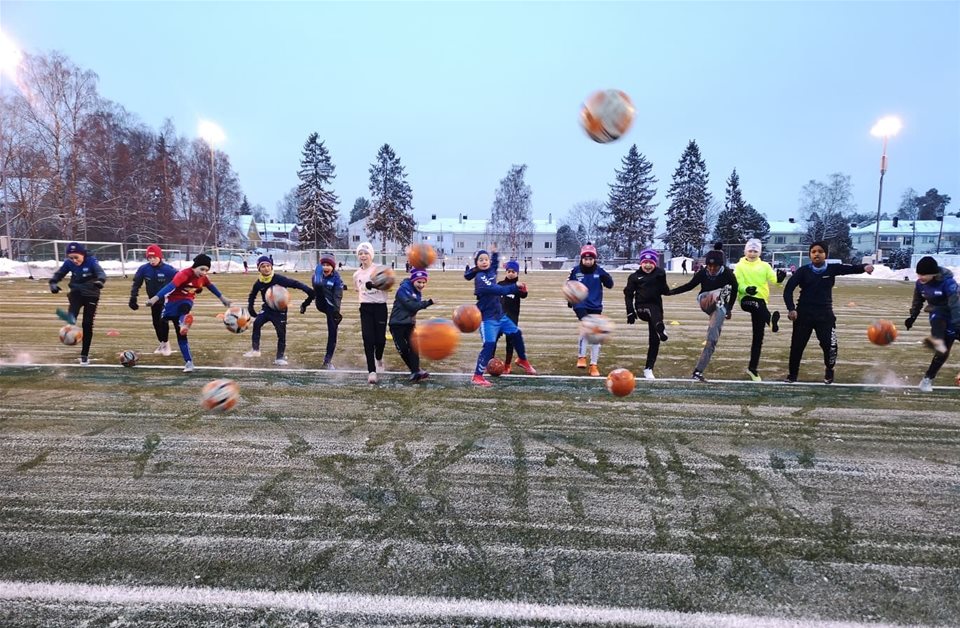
x=188, y=367
x=648, y=374
x=165, y=348
x=84, y=360
x=372, y=378
x=159, y=348
x=926, y=385
x=380, y=368
x=252, y=353
x=281, y=362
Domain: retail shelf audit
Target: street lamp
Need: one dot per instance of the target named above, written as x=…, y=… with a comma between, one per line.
x=212, y=134
x=885, y=128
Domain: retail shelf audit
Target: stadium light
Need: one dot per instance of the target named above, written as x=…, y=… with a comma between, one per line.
x=886, y=128
x=211, y=133
x=10, y=56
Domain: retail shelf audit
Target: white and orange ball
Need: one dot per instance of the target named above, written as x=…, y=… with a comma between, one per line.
x=607, y=115
x=596, y=328
x=220, y=395
x=237, y=319
x=383, y=278
x=129, y=358
x=277, y=297
x=70, y=334
x=575, y=292
x=621, y=382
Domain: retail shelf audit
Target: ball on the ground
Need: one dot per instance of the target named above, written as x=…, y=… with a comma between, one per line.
x=70, y=334
x=596, y=328
x=236, y=319
x=383, y=278
x=129, y=358
x=421, y=255
x=621, y=382
x=220, y=395
x=435, y=339
x=467, y=318
x=606, y=115
x=882, y=332
x=277, y=297
x=574, y=291
x=496, y=367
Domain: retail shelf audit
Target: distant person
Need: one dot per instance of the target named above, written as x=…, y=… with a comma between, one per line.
x=86, y=281
x=683, y=266
x=443, y=265
x=937, y=287
x=156, y=273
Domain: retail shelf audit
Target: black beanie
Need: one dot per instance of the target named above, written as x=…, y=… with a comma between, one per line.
x=927, y=266
x=202, y=260
x=714, y=257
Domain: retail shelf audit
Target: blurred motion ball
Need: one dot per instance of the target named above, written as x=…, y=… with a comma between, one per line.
x=277, y=297
x=467, y=318
x=220, y=395
x=383, y=278
x=436, y=339
x=495, y=367
x=606, y=115
x=621, y=382
x=596, y=328
x=129, y=358
x=575, y=292
x=421, y=255
x=237, y=319
x=882, y=332
x=70, y=334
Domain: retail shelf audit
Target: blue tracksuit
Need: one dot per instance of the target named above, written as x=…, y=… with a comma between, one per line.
x=595, y=282
x=154, y=277
x=943, y=304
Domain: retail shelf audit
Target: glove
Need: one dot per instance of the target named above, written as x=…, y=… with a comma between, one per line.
x=133, y=303
x=631, y=318
x=226, y=302
x=368, y=285
x=781, y=275
x=197, y=291
x=909, y=322
x=429, y=303
x=303, y=307
x=522, y=288
x=152, y=300
x=54, y=288
x=98, y=283
x=729, y=315
x=751, y=290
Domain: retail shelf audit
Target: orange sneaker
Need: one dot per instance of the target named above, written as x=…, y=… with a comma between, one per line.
x=527, y=367
x=506, y=368
x=594, y=371
x=185, y=325
x=480, y=381
x=582, y=363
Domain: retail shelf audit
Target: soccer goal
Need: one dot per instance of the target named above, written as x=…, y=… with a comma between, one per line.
x=227, y=260
x=138, y=256
x=786, y=259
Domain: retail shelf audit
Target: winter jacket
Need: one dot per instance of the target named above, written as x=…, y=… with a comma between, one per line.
x=407, y=303
x=941, y=294
x=511, y=302
x=709, y=283
x=756, y=273
x=327, y=290
x=644, y=289
x=488, y=292
x=816, y=286
x=86, y=279
x=155, y=277
x=260, y=287
x=595, y=279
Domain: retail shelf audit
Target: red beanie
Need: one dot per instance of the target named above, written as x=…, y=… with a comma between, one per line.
x=154, y=251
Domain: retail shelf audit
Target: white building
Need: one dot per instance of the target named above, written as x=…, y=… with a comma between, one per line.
x=923, y=236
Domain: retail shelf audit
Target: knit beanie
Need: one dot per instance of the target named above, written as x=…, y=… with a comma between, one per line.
x=264, y=258
x=76, y=247
x=715, y=256
x=418, y=273
x=154, y=251
x=202, y=260
x=328, y=258
x=365, y=246
x=927, y=266
x=513, y=265
x=588, y=249
x=649, y=255
x=477, y=255
x=753, y=244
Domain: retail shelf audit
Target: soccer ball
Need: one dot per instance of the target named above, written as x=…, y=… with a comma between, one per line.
x=882, y=332
x=220, y=395
x=383, y=278
x=421, y=255
x=70, y=334
x=435, y=339
x=236, y=319
x=277, y=297
x=621, y=382
x=129, y=358
x=495, y=367
x=467, y=318
x=596, y=328
x=575, y=292
x=606, y=115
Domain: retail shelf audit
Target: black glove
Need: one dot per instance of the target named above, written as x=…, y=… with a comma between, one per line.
x=631, y=318
x=909, y=322
x=368, y=285
x=133, y=303
x=429, y=303
x=198, y=291
x=98, y=283
x=54, y=288
x=729, y=314
x=751, y=290
x=303, y=307
x=781, y=275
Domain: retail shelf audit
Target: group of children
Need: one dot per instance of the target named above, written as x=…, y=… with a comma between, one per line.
x=171, y=295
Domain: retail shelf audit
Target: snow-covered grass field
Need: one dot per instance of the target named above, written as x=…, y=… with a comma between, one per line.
x=543, y=501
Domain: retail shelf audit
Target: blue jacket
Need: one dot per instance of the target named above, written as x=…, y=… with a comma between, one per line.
x=941, y=293
x=87, y=279
x=329, y=290
x=260, y=288
x=595, y=283
x=155, y=278
x=407, y=303
x=488, y=292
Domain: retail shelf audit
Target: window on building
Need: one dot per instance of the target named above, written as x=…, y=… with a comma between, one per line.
x=779, y=239
x=356, y=238
x=547, y=244
x=908, y=241
x=528, y=245
x=460, y=245
x=479, y=244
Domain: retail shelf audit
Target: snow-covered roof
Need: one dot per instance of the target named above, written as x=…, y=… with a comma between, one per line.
x=455, y=225
x=245, y=220
x=785, y=226
x=951, y=224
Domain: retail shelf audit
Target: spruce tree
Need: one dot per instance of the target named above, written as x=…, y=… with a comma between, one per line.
x=739, y=221
x=631, y=224
x=361, y=209
x=391, y=206
x=690, y=199
x=316, y=211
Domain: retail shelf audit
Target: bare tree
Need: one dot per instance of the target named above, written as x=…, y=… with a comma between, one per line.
x=586, y=219
x=510, y=221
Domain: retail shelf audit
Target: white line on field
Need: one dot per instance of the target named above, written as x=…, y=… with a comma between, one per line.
x=391, y=605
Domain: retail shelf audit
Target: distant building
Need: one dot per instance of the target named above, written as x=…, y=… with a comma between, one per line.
x=267, y=234
x=921, y=236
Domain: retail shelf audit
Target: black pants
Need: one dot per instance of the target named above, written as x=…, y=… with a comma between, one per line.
x=401, y=340
x=939, y=359
x=279, y=320
x=653, y=315
x=160, y=325
x=89, y=306
x=759, y=319
x=509, y=355
x=333, y=325
x=825, y=326
x=373, y=330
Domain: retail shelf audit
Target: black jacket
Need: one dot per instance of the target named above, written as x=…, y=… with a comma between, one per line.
x=816, y=287
x=645, y=289
x=511, y=302
x=709, y=283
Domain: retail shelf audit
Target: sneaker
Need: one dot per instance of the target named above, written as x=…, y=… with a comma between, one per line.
x=648, y=374
x=775, y=322
x=380, y=368
x=159, y=348
x=371, y=378
x=188, y=367
x=754, y=376
x=527, y=367
x=582, y=363
x=594, y=371
x=84, y=360
x=828, y=376
x=724, y=295
x=936, y=344
x=506, y=368
x=789, y=379
x=252, y=353
x=165, y=349
x=422, y=375
x=926, y=385
x=185, y=325
x=478, y=380
x=698, y=377
x=661, y=331
x=328, y=365
x=281, y=362
x=414, y=377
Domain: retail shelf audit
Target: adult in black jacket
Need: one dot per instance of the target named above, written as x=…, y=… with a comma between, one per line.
x=643, y=297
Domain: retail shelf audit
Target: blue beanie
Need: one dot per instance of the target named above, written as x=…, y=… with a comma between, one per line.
x=264, y=258
x=76, y=247
x=512, y=265
x=418, y=273
x=478, y=254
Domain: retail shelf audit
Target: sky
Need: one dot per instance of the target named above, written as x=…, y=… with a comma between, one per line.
x=784, y=92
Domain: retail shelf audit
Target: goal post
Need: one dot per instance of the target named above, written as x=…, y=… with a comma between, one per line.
x=786, y=259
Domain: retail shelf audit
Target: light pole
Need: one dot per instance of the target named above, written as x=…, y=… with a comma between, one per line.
x=10, y=58
x=212, y=134
x=885, y=128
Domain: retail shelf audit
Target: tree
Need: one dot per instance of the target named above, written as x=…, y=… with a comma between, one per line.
x=568, y=244
x=245, y=209
x=287, y=208
x=317, y=208
x=361, y=209
x=585, y=220
x=630, y=222
x=909, y=205
x=391, y=210
x=932, y=205
x=259, y=213
x=739, y=221
x=510, y=220
x=690, y=200
x=827, y=208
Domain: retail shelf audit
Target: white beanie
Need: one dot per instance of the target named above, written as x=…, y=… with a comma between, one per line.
x=753, y=244
x=365, y=246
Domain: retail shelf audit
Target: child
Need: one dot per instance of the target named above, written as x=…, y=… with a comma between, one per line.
x=938, y=288
x=753, y=278
x=86, y=282
x=814, y=310
x=403, y=317
x=328, y=288
x=511, y=306
x=718, y=288
x=488, y=294
x=644, y=299
x=595, y=279
x=157, y=274
x=373, y=312
x=179, y=294
x=278, y=318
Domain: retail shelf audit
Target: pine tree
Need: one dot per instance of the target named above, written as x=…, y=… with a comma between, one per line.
x=739, y=221
x=686, y=226
x=361, y=209
x=317, y=211
x=629, y=208
x=510, y=220
x=391, y=207
x=245, y=207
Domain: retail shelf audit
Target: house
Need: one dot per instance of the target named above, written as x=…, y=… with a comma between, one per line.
x=268, y=234
x=923, y=236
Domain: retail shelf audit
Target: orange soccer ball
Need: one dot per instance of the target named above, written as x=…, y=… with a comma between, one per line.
x=495, y=367
x=220, y=395
x=882, y=332
x=467, y=318
x=574, y=291
x=436, y=339
x=606, y=115
x=621, y=382
x=421, y=255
